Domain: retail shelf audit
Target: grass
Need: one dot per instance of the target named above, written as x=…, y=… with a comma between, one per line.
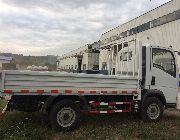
x=35, y=126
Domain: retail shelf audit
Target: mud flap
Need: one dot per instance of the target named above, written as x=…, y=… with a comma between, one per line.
x=6, y=108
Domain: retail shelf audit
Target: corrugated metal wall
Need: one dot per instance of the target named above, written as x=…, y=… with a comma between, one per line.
x=164, y=35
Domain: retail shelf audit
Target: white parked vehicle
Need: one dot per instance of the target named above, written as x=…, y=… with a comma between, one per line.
x=149, y=86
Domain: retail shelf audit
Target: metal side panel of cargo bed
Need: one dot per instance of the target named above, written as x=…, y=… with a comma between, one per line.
x=20, y=81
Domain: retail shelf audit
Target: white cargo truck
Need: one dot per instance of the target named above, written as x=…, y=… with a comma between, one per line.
x=149, y=86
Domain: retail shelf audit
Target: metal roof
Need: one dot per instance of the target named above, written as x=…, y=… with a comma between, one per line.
x=6, y=58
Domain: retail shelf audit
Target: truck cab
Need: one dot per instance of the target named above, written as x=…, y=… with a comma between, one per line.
x=156, y=66
x=161, y=72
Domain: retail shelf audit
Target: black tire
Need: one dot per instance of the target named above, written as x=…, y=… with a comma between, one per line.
x=152, y=110
x=64, y=108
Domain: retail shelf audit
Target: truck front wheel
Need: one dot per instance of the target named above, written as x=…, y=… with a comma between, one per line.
x=64, y=115
x=152, y=110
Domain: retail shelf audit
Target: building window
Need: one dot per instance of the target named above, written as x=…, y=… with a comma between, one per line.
x=84, y=66
x=144, y=27
x=126, y=56
x=167, y=18
x=177, y=14
x=95, y=67
x=104, y=66
x=123, y=56
x=159, y=21
x=119, y=47
x=170, y=17
x=130, y=55
x=115, y=49
x=131, y=32
x=75, y=67
x=123, y=34
x=125, y=45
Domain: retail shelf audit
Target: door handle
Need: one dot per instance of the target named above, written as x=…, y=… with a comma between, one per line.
x=153, y=80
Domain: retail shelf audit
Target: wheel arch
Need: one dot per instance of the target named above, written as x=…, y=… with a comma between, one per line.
x=154, y=93
x=52, y=100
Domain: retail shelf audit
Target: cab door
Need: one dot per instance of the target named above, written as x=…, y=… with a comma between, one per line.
x=164, y=73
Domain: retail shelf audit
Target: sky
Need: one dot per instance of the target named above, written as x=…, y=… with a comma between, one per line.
x=55, y=27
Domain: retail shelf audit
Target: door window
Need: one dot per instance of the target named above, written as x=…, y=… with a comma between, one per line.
x=164, y=60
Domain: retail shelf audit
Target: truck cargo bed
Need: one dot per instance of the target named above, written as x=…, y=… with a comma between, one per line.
x=22, y=80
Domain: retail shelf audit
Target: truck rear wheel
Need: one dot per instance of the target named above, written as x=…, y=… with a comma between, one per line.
x=152, y=110
x=64, y=115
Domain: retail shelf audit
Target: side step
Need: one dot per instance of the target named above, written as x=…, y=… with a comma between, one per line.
x=96, y=104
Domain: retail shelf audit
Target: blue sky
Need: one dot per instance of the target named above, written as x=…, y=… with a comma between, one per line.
x=41, y=27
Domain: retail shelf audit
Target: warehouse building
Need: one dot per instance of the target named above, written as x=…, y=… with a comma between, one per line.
x=4, y=60
x=160, y=26
x=84, y=59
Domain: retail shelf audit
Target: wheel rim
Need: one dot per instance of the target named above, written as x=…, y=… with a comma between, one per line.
x=66, y=117
x=153, y=111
